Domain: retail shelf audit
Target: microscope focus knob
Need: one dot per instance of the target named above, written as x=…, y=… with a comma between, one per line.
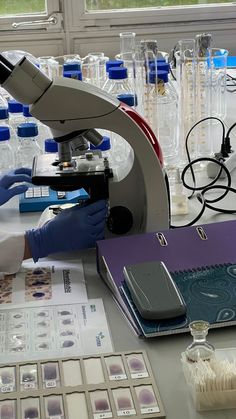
x=120, y=220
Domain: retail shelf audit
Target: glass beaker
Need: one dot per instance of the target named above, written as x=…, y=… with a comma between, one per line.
x=90, y=69
x=50, y=66
x=200, y=348
x=65, y=59
x=102, y=66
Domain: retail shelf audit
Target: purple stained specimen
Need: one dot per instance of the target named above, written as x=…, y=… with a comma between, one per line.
x=38, y=271
x=136, y=364
x=66, y=333
x=43, y=323
x=43, y=345
x=7, y=412
x=17, y=316
x=42, y=314
x=146, y=397
x=38, y=294
x=6, y=377
x=42, y=335
x=64, y=312
x=31, y=413
x=54, y=407
x=124, y=403
x=101, y=405
x=50, y=372
x=67, y=321
x=115, y=369
x=68, y=343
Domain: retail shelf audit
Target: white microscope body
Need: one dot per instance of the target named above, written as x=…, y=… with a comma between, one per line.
x=139, y=201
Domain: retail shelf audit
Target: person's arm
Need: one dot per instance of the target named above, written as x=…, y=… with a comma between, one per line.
x=73, y=229
x=27, y=250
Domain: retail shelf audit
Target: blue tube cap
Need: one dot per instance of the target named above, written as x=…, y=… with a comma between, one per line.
x=14, y=106
x=4, y=114
x=113, y=63
x=4, y=133
x=160, y=66
x=27, y=130
x=26, y=111
x=50, y=146
x=128, y=98
x=161, y=74
x=117, y=73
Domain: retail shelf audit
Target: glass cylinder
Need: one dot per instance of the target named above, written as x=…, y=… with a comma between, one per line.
x=200, y=348
x=186, y=89
x=218, y=66
x=127, y=42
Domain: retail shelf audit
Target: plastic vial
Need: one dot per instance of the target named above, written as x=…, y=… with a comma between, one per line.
x=110, y=63
x=200, y=348
x=6, y=153
x=4, y=121
x=43, y=130
x=28, y=144
x=119, y=81
x=16, y=116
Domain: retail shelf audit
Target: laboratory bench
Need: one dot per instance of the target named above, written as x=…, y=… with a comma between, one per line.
x=164, y=352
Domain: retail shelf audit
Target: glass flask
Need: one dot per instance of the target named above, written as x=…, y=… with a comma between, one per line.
x=200, y=348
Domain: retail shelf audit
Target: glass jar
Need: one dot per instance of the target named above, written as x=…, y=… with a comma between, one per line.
x=200, y=348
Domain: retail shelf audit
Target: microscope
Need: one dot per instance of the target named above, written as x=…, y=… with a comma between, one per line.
x=74, y=111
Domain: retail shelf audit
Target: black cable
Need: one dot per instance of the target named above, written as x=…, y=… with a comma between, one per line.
x=206, y=203
x=187, y=149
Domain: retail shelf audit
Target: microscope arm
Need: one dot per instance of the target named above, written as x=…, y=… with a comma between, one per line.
x=70, y=107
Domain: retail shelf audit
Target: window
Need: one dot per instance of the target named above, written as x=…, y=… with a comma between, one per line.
x=137, y=4
x=14, y=12
x=134, y=12
x=15, y=7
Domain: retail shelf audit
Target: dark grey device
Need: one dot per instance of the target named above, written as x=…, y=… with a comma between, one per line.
x=153, y=291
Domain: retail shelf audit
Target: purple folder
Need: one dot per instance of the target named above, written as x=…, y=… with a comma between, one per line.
x=180, y=249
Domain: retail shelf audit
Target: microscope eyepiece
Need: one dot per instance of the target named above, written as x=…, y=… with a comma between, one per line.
x=4, y=72
x=6, y=62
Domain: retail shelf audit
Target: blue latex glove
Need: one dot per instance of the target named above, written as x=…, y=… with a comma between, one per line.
x=73, y=229
x=6, y=181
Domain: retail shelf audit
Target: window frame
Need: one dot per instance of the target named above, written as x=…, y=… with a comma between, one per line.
x=52, y=6
x=177, y=15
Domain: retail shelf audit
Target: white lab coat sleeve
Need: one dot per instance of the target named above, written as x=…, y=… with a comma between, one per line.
x=12, y=248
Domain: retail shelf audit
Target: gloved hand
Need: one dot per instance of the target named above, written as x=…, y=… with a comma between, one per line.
x=73, y=229
x=6, y=181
